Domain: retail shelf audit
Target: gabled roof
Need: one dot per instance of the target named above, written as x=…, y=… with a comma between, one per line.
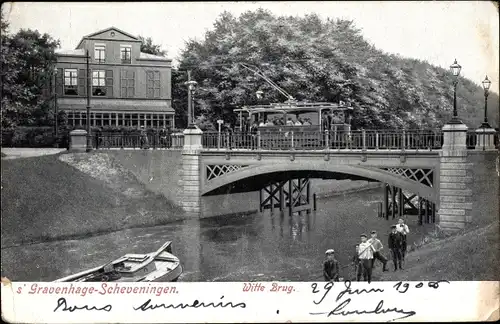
x=134, y=38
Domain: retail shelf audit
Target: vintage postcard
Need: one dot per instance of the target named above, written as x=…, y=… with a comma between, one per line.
x=184, y=162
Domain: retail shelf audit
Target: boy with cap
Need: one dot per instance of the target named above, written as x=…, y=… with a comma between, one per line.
x=395, y=245
x=377, y=248
x=366, y=256
x=402, y=228
x=358, y=267
x=331, y=266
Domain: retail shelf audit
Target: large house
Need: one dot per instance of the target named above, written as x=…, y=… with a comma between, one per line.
x=128, y=87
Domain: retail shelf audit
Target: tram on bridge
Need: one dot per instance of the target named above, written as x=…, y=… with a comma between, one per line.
x=300, y=125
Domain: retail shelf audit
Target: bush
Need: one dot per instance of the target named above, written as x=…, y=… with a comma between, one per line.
x=42, y=136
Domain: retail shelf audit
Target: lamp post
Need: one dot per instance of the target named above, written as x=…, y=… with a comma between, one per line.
x=56, y=112
x=486, y=86
x=89, y=88
x=455, y=69
x=191, y=86
x=219, y=122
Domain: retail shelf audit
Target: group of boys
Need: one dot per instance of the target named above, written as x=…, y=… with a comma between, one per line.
x=369, y=250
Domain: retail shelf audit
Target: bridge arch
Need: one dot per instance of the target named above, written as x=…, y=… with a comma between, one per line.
x=372, y=173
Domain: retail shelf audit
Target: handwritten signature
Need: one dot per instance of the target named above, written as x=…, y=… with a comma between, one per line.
x=61, y=302
x=339, y=310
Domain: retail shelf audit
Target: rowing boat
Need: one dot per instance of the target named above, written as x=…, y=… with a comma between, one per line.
x=160, y=265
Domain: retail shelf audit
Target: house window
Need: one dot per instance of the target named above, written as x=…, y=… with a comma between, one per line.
x=99, y=83
x=70, y=82
x=127, y=84
x=125, y=54
x=153, y=84
x=100, y=53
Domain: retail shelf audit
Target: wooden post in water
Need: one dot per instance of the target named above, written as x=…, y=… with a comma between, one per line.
x=393, y=194
x=419, y=210
x=433, y=206
x=290, y=196
x=401, y=203
x=261, y=208
x=385, y=202
x=426, y=211
x=314, y=201
x=271, y=197
x=308, y=196
x=282, y=196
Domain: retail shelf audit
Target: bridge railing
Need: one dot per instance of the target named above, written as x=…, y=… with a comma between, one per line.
x=322, y=140
x=105, y=140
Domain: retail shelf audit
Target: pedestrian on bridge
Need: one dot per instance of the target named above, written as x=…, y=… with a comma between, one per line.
x=331, y=266
x=395, y=244
x=366, y=256
x=377, y=253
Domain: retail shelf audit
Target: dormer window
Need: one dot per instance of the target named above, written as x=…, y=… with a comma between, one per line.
x=100, y=53
x=125, y=53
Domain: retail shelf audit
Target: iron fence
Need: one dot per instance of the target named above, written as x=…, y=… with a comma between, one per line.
x=103, y=140
x=296, y=140
x=318, y=140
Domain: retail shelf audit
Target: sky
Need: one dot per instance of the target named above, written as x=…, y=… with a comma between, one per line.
x=438, y=31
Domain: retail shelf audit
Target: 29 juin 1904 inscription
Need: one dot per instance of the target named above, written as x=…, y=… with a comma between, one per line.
x=187, y=162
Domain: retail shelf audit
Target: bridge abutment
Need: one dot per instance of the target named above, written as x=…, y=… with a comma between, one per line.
x=190, y=177
x=455, y=197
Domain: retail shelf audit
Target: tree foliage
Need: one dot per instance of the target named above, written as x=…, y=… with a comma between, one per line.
x=147, y=46
x=322, y=60
x=27, y=59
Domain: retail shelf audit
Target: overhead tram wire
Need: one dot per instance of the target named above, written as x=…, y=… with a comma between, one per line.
x=187, y=67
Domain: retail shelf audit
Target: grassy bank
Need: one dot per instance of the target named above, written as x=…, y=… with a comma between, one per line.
x=44, y=199
x=469, y=255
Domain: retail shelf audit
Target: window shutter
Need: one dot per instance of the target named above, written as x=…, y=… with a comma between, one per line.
x=109, y=83
x=59, y=82
x=82, y=82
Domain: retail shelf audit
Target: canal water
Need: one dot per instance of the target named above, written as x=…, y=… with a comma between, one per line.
x=256, y=247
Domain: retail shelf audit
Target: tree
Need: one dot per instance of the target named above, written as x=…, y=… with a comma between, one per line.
x=318, y=60
x=27, y=59
x=147, y=46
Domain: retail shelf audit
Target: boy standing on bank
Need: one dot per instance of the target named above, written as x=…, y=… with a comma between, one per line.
x=358, y=267
x=377, y=249
x=396, y=245
x=331, y=266
x=366, y=256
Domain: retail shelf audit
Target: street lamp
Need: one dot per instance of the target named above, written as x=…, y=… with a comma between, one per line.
x=455, y=69
x=486, y=87
x=191, y=86
x=56, y=113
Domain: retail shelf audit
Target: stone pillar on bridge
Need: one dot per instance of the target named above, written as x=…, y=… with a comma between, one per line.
x=485, y=139
x=455, y=196
x=78, y=140
x=190, y=181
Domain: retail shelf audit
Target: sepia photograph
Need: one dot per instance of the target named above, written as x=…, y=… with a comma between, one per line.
x=250, y=142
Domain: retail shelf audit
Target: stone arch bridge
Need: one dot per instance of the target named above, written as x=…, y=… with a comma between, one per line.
x=438, y=174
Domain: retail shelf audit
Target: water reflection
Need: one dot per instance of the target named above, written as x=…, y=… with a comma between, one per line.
x=261, y=246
